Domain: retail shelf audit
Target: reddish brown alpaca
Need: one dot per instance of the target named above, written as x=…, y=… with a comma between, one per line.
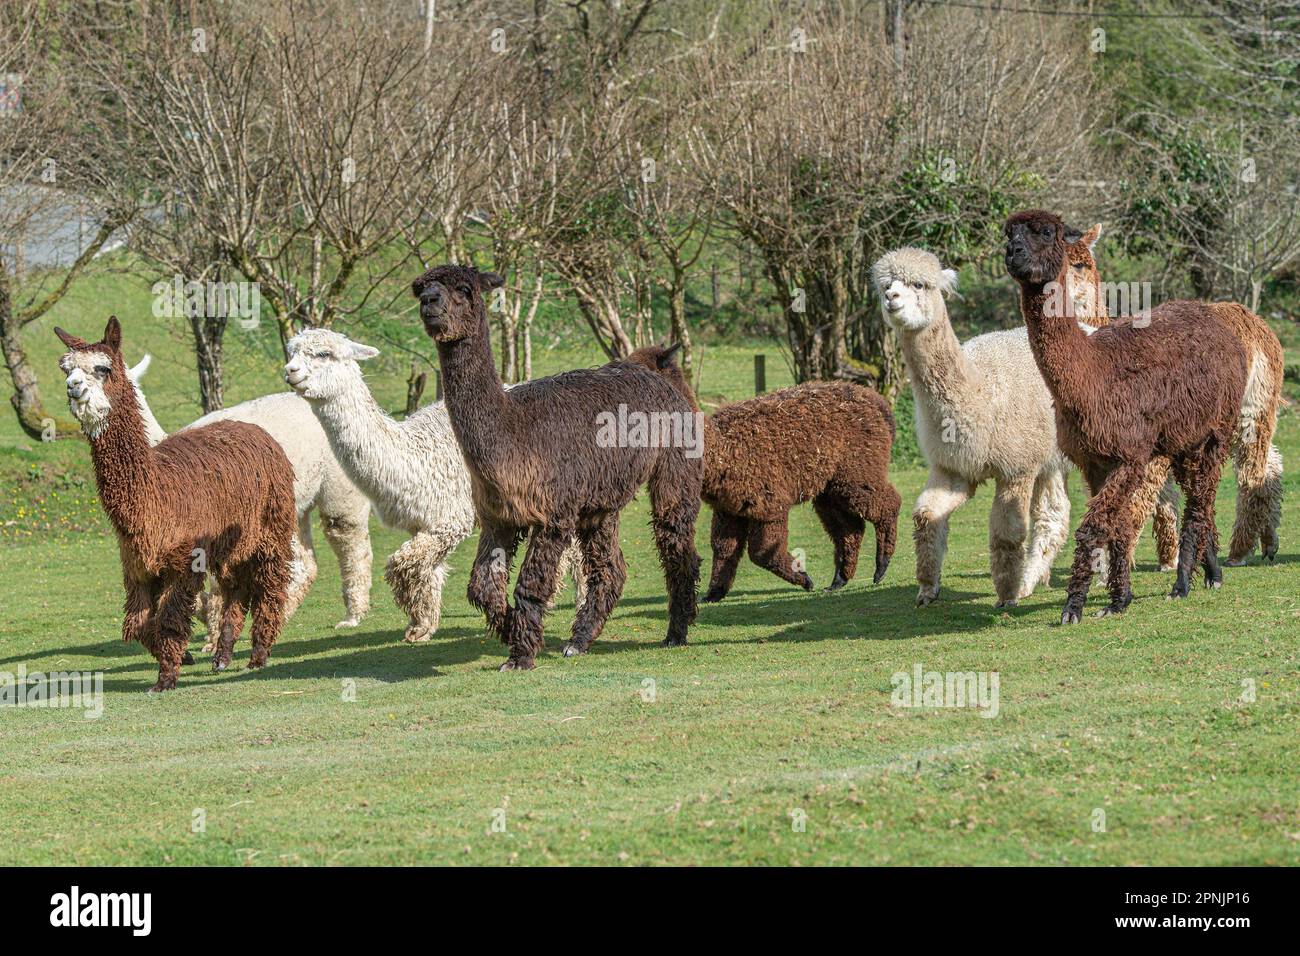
x=824, y=442
x=1124, y=396
x=539, y=467
x=1257, y=461
x=217, y=498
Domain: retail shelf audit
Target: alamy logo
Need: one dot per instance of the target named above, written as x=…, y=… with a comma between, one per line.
x=921, y=688
x=638, y=429
x=103, y=909
x=178, y=299
x=84, y=689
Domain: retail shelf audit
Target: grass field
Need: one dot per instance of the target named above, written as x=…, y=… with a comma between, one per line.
x=778, y=712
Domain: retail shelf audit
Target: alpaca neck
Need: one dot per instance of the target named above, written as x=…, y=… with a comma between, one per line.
x=939, y=369
x=153, y=432
x=365, y=439
x=476, y=400
x=1061, y=348
x=124, y=468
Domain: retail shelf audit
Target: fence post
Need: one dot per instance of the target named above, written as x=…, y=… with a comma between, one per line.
x=760, y=374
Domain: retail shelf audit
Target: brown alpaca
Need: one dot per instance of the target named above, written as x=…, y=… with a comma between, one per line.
x=561, y=456
x=1124, y=396
x=215, y=499
x=1257, y=461
x=824, y=442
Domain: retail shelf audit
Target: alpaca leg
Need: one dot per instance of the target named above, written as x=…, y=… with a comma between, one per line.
x=943, y=494
x=1259, y=493
x=172, y=629
x=229, y=625
x=416, y=573
x=1145, y=504
x=1198, y=475
x=349, y=538
x=137, y=619
x=845, y=530
x=1105, y=531
x=268, y=585
x=1008, y=536
x=302, y=567
x=571, y=565
x=769, y=549
x=1049, y=512
x=727, y=538
x=606, y=575
x=882, y=510
x=1165, y=525
x=488, y=578
x=537, y=577
x=675, y=504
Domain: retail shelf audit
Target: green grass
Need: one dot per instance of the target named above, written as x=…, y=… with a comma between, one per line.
x=780, y=703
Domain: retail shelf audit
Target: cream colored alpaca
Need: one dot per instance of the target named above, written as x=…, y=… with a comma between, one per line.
x=983, y=413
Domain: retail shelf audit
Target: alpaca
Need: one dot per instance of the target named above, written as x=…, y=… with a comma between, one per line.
x=411, y=470
x=1124, y=396
x=824, y=442
x=1256, y=460
x=319, y=483
x=217, y=499
x=982, y=412
x=559, y=456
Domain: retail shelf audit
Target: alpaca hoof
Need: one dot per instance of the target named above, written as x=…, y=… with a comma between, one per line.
x=520, y=664
x=573, y=649
x=1109, y=611
x=208, y=647
x=220, y=664
x=161, y=686
x=673, y=642
x=838, y=583
x=1011, y=602
x=257, y=661
x=1176, y=594
x=187, y=658
x=1071, y=614
x=926, y=598
x=1174, y=567
x=417, y=634
x=347, y=622
x=714, y=596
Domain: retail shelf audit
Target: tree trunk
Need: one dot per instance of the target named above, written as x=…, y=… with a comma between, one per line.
x=33, y=416
x=208, y=334
x=677, y=315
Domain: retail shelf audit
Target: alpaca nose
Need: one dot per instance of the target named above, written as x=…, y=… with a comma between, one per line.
x=431, y=295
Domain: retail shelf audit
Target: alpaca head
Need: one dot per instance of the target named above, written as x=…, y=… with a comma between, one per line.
x=96, y=376
x=1082, y=280
x=1036, y=246
x=911, y=284
x=451, y=301
x=323, y=364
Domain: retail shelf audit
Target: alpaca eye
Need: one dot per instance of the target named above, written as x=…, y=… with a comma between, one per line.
x=101, y=371
x=918, y=285
x=1078, y=266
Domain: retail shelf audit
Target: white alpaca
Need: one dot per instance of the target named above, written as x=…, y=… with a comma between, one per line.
x=982, y=412
x=412, y=470
x=319, y=483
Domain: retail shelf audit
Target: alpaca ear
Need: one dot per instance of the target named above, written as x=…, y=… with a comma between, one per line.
x=113, y=334
x=1072, y=235
x=668, y=356
x=359, y=352
x=487, y=281
x=68, y=339
x=136, y=372
x=1091, y=236
x=948, y=281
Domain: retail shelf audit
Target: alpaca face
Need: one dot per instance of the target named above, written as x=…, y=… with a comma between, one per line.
x=1036, y=243
x=451, y=301
x=1082, y=280
x=911, y=284
x=323, y=364
x=95, y=374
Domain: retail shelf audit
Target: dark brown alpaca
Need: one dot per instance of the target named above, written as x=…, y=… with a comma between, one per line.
x=545, y=462
x=1126, y=395
x=215, y=499
x=824, y=442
